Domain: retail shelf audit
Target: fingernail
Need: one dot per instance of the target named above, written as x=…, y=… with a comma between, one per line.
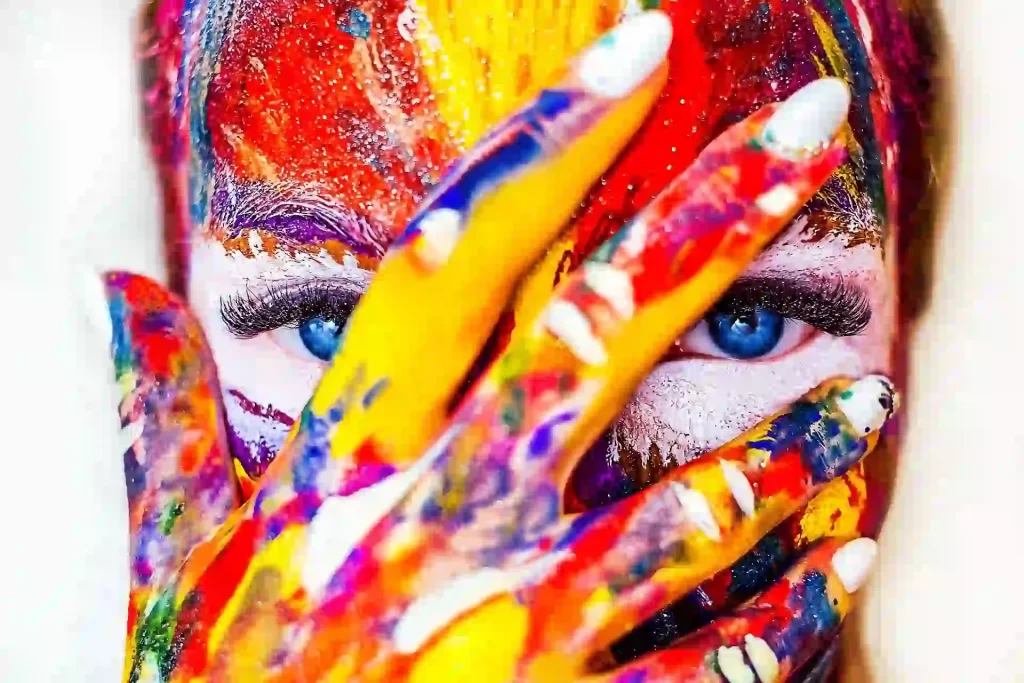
x=570, y=325
x=809, y=119
x=439, y=230
x=697, y=510
x=624, y=57
x=853, y=562
x=868, y=403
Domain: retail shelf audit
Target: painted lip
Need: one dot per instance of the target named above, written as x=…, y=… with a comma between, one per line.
x=253, y=451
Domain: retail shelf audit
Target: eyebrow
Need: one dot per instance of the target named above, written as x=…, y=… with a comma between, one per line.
x=833, y=305
x=295, y=213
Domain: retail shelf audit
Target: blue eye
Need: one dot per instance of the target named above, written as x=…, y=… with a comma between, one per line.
x=746, y=335
x=320, y=337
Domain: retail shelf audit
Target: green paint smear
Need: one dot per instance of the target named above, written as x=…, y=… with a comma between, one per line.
x=155, y=639
x=651, y=4
x=171, y=515
x=513, y=414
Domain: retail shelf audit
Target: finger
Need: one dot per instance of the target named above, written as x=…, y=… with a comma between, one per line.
x=431, y=307
x=625, y=563
x=774, y=634
x=445, y=281
x=555, y=388
x=835, y=512
x=304, y=526
x=177, y=466
x=491, y=492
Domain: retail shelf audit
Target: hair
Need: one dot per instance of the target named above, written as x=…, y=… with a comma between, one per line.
x=171, y=32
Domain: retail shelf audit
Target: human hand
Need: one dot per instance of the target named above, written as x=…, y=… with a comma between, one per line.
x=393, y=533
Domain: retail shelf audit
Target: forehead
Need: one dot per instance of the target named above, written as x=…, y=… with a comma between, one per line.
x=366, y=102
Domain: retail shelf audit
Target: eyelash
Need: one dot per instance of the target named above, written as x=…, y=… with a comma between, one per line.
x=249, y=315
x=833, y=307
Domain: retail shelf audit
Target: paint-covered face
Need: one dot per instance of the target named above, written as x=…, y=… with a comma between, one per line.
x=298, y=137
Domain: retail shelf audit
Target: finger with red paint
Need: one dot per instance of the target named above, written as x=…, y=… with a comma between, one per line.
x=489, y=490
x=350, y=564
x=773, y=635
x=474, y=237
x=626, y=562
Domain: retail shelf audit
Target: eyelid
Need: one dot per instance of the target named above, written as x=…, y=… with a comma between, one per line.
x=834, y=306
x=289, y=304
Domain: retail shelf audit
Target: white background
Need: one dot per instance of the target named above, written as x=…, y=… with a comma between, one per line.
x=948, y=601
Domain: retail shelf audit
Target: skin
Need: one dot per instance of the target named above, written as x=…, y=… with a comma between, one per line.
x=265, y=106
x=279, y=590
x=267, y=140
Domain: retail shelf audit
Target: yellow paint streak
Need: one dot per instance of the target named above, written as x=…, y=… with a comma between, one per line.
x=832, y=514
x=279, y=554
x=535, y=291
x=484, y=646
x=837, y=66
x=484, y=58
x=408, y=415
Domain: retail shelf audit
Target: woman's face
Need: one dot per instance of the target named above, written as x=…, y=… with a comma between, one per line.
x=316, y=126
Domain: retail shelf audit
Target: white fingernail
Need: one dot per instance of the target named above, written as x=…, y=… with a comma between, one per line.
x=93, y=295
x=761, y=655
x=439, y=230
x=853, y=562
x=740, y=487
x=778, y=201
x=567, y=323
x=611, y=284
x=868, y=403
x=697, y=510
x=130, y=434
x=733, y=666
x=809, y=119
x=624, y=57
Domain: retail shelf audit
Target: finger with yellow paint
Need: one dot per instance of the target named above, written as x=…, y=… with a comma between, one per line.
x=475, y=236
x=366, y=570
x=490, y=488
x=771, y=637
x=624, y=563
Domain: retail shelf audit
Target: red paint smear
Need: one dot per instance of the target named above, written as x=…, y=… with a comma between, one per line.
x=217, y=584
x=288, y=88
x=784, y=474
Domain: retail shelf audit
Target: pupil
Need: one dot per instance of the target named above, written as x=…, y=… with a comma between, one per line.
x=320, y=337
x=746, y=335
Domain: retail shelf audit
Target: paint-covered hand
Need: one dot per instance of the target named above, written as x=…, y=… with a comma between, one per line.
x=412, y=529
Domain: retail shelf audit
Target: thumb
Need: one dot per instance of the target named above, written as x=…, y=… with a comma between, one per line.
x=177, y=465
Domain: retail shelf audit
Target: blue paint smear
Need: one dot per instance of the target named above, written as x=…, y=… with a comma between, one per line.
x=579, y=527
x=483, y=174
x=121, y=341
x=863, y=84
x=374, y=392
x=540, y=442
x=815, y=617
x=358, y=25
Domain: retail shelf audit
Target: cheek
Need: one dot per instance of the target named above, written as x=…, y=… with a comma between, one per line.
x=688, y=407
x=264, y=391
x=264, y=388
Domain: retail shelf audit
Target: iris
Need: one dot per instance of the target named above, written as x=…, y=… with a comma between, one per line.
x=320, y=337
x=746, y=335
